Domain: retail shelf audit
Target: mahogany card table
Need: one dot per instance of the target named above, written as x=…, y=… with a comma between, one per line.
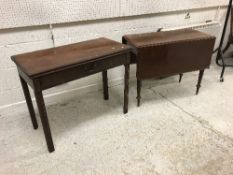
x=48, y=68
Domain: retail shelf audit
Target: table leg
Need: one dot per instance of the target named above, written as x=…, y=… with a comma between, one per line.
x=44, y=120
x=29, y=102
x=105, y=84
x=199, y=80
x=180, y=78
x=139, y=86
x=126, y=90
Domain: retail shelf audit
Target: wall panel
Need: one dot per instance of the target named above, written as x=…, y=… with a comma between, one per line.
x=21, y=13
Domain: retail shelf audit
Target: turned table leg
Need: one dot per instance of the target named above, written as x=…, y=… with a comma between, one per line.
x=199, y=81
x=44, y=120
x=126, y=90
x=29, y=102
x=139, y=86
x=105, y=84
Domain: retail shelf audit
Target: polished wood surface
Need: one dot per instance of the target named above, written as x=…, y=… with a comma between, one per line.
x=48, y=68
x=171, y=59
x=164, y=38
x=29, y=103
x=161, y=54
x=54, y=59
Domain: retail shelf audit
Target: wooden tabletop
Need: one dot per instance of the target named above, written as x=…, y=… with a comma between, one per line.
x=158, y=38
x=44, y=61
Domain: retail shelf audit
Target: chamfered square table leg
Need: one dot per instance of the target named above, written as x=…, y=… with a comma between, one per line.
x=44, y=120
x=201, y=73
x=139, y=86
x=29, y=102
x=126, y=90
x=105, y=84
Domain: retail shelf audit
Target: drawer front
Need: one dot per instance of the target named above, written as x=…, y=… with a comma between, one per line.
x=174, y=58
x=82, y=70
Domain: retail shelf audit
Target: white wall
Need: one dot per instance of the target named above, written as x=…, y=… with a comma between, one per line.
x=24, y=27
x=15, y=13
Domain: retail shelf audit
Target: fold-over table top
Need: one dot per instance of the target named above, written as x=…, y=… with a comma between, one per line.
x=43, y=61
x=160, y=38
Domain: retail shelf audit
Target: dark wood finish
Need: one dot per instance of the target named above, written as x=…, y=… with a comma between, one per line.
x=51, y=67
x=55, y=59
x=180, y=77
x=139, y=86
x=201, y=73
x=126, y=89
x=81, y=70
x=161, y=38
x=105, y=85
x=29, y=102
x=44, y=120
x=162, y=54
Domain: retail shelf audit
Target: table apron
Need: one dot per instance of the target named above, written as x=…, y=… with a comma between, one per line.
x=81, y=70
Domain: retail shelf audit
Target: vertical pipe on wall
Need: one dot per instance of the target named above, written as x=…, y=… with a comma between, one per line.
x=52, y=35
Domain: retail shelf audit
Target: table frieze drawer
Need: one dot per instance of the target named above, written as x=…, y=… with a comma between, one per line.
x=82, y=70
